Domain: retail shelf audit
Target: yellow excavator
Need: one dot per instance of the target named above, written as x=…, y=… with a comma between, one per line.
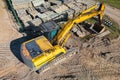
x=40, y=51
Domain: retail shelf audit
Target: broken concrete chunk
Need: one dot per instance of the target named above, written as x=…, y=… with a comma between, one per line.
x=37, y=2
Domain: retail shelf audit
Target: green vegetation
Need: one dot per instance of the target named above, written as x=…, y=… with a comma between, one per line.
x=92, y=20
x=86, y=38
x=114, y=3
x=115, y=29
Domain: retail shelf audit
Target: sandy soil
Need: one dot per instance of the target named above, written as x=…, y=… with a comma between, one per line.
x=113, y=13
x=6, y=25
x=7, y=34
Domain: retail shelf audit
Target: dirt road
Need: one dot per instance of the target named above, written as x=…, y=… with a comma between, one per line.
x=113, y=13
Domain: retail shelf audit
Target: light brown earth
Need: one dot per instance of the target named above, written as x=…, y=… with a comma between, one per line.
x=7, y=33
x=113, y=13
x=6, y=25
x=88, y=64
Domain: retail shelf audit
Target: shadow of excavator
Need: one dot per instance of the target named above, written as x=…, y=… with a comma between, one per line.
x=15, y=46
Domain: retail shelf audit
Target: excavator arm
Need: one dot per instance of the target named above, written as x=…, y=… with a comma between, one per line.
x=97, y=10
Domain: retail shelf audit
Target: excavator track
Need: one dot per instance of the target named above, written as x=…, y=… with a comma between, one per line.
x=71, y=52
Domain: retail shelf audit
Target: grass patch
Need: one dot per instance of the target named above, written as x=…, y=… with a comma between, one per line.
x=115, y=29
x=86, y=38
x=91, y=20
x=114, y=3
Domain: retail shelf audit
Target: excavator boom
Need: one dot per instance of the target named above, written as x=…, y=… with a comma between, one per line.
x=85, y=15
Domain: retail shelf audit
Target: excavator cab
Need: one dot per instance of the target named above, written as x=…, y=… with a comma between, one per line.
x=48, y=29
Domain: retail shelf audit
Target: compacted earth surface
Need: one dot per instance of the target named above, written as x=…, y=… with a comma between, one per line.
x=97, y=59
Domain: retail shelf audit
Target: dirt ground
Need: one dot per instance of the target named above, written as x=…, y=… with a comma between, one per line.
x=113, y=13
x=7, y=34
x=98, y=59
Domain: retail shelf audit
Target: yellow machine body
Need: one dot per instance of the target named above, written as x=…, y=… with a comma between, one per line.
x=45, y=51
x=49, y=52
